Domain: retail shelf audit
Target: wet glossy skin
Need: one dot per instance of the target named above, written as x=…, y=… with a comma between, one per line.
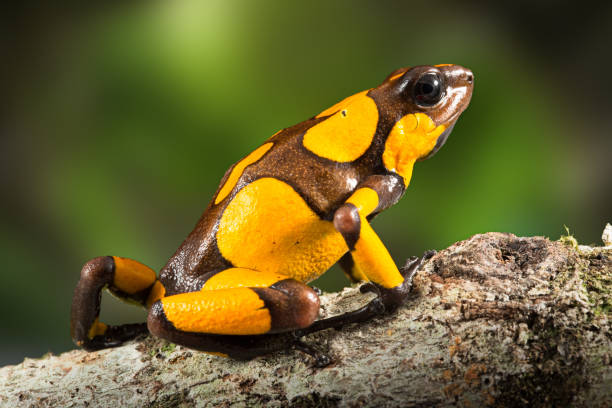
x=281, y=217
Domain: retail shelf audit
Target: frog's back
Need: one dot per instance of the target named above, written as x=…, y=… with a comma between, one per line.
x=272, y=212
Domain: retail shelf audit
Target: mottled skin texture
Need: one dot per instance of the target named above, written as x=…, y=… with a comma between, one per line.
x=326, y=203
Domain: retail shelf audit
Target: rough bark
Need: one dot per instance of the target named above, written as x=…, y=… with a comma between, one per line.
x=495, y=320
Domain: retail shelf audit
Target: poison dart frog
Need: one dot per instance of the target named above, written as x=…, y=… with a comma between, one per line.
x=281, y=217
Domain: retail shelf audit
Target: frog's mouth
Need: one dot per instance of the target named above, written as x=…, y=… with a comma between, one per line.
x=441, y=140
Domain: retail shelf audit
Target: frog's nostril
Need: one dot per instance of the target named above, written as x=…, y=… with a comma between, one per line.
x=470, y=78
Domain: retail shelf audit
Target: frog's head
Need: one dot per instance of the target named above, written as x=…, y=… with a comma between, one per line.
x=406, y=118
x=423, y=103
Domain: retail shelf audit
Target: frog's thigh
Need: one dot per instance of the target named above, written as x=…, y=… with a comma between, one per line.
x=236, y=301
x=283, y=233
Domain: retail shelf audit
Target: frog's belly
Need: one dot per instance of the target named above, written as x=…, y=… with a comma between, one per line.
x=269, y=227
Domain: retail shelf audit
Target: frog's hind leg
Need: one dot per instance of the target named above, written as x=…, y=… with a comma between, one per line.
x=125, y=278
x=238, y=312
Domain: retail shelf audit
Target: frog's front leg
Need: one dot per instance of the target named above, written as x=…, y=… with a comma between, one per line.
x=368, y=258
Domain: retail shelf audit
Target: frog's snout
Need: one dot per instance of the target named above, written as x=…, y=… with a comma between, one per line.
x=459, y=76
x=469, y=77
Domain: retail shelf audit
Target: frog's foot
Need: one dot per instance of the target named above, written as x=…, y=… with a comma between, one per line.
x=393, y=298
x=115, y=336
x=125, y=278
x=387, y=300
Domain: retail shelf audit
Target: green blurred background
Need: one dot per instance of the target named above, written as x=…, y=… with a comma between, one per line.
x=119, y=121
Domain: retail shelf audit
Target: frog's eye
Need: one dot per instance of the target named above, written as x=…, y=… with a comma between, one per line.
x=427, y=90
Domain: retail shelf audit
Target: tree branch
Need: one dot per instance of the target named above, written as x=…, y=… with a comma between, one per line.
x=494, y=320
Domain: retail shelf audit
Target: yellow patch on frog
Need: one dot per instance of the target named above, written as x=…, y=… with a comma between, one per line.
x=237, y=311
x=268, y=227
x=97, y=328
x=365, y=199
x=442, y=65
x=241, y=277
x=412, y=137
x=239, y=168
x=347, y=133
x=132, y=276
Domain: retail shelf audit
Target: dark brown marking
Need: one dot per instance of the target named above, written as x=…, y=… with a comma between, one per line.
x=348, y=223
x=347, y=263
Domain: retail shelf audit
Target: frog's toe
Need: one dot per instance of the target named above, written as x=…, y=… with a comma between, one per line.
x=429, y=254
x=413, y=264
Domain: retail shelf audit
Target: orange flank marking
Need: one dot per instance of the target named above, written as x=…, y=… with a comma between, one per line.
x=347, y=133
x=239, y=168
x=269, y=227
x=96, y=329
x=236, y=311
x=365, y=199
x=412, y=137
x=241, y=277
x=132, y=276
x=372, y=258
x=157, y=292
x=442, y=65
